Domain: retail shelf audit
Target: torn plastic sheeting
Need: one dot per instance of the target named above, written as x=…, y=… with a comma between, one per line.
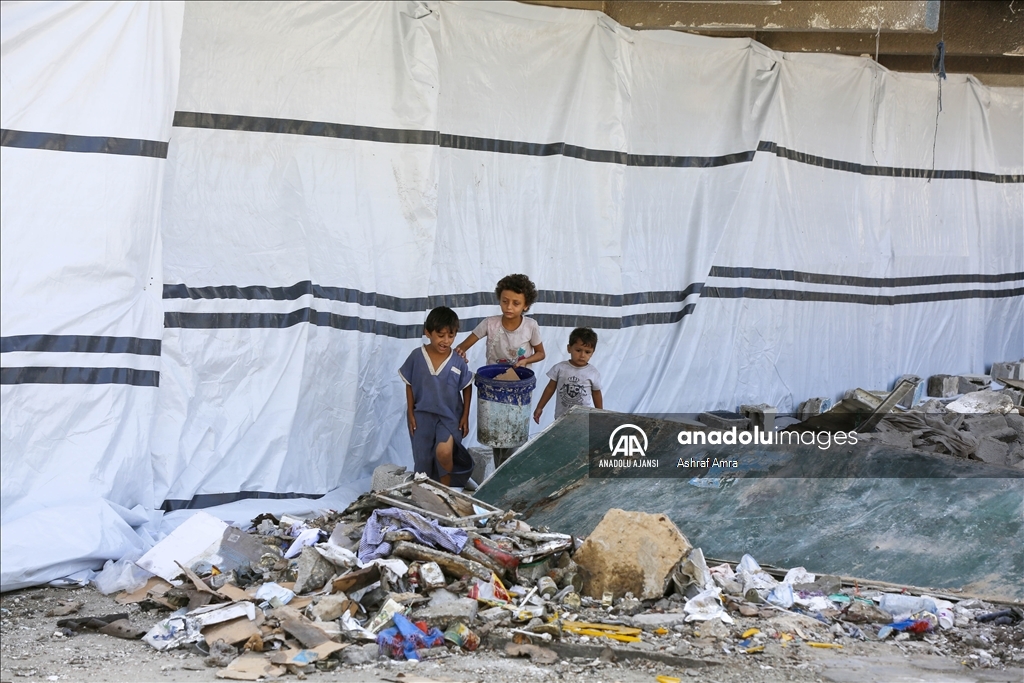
x=78, y=536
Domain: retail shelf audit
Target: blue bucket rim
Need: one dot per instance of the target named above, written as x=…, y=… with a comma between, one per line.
x=499, y=368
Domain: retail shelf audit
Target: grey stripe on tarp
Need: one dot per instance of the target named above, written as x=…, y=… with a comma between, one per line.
x=405, y=305
x=884, y=171
x=55, y=375
x=79, y=343
x=853, y=281
x=845, y=298
x=262, y=124
x=90, y=144
x=206, y=500
x=212, y=321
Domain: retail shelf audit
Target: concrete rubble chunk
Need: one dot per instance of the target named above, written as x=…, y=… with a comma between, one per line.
x=984, y=402
x=1016, y=422
x=943, y=386
x=723, y=419
x=760, y=415
x=1016, y=395
x=969, y=383
x=992, y=451
x=443, y=615
x=813, y=406
x=1007, y=370
x=330, y=607
x=631, y=552
x=313, y=571
x=386, y=476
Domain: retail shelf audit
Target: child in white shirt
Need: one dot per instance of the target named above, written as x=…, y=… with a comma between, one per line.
x=575, y=381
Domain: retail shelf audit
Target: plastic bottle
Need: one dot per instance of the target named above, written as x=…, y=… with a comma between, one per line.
x=902, y=606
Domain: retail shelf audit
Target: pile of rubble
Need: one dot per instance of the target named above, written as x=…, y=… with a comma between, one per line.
x=420, y=571
x=969, y=416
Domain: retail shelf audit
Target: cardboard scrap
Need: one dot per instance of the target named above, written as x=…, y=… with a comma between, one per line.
x=155, y=585
x=233, y=632
x=251, y=667
x=508, y=376
x=233, y=593
x=354, y=580
x=196, y=581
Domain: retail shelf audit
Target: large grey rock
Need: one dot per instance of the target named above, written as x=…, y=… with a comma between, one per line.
x=462, y=610
x=313, y=571
x=630, y=552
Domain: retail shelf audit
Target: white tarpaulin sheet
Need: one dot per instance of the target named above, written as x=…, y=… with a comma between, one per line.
x=738, y=225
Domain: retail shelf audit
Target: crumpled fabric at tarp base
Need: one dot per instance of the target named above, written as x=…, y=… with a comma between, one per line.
x=66, y=544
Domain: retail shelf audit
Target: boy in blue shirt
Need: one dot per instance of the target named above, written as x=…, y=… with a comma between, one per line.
x=438, y=390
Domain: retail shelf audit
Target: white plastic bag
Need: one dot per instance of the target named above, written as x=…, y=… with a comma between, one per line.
x=123, y=575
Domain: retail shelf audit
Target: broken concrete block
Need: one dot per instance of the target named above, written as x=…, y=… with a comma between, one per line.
x=943, y=386
x=1016, y=422
x=386, y=476
x=313, y=571
x=1016, y=395
x=331, y=607
x=483, y=463
x=969, y=383
x=914, y=397
x=723, y=419
x=760, y=415
x=443, y=615
x=983, y=425
x=990, y=402
x=631, y=552
x=812, y=407
x=863, y=401
x=1007, y=370
x=991, y=451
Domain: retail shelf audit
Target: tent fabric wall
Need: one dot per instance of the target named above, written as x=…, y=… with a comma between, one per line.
x=737, y=224
x=86, y=102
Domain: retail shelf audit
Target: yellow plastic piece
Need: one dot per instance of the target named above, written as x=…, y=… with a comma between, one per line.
x=828, y=646
x=660, y=631
x=622, y=634
x=755, y=649
x=668, y=679
x=750, y=631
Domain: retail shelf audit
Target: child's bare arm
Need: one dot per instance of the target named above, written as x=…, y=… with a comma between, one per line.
x=538, y=356
x=467, y=396
x=466, y=345
x=410, y=402
x=598, y=399
x=549, y=391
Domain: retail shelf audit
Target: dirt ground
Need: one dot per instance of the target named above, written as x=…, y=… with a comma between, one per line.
x=32, y=649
